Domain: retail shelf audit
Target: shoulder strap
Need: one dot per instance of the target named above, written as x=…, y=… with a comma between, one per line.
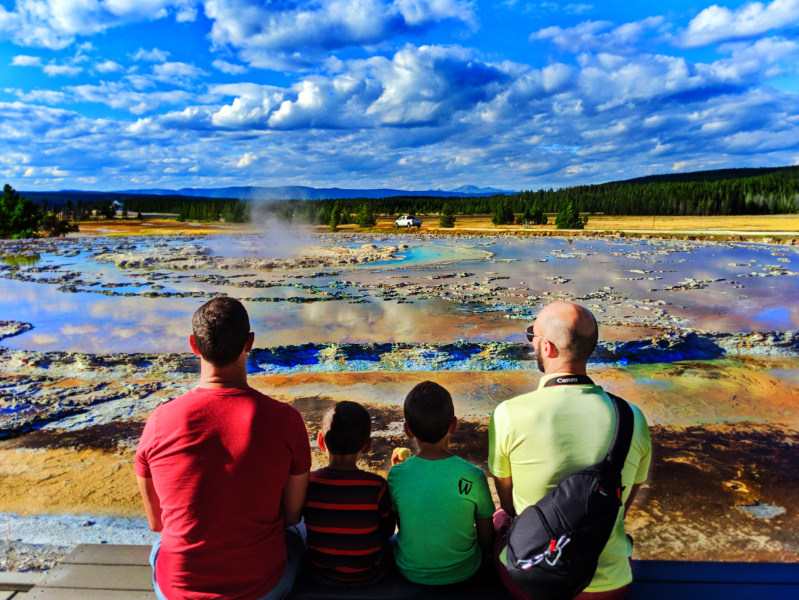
x=623, y=435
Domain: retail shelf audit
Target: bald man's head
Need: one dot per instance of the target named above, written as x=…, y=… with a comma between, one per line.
x=570, y=327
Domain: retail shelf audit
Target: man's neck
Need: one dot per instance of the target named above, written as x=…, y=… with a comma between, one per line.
x=229, y=376
x=569, y=368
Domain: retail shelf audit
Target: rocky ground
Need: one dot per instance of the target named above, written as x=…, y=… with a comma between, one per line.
x=193, y=258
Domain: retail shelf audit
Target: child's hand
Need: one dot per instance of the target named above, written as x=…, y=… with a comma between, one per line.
x=400, y=455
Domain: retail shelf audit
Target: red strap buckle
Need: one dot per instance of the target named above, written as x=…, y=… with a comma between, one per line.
x=553, y=545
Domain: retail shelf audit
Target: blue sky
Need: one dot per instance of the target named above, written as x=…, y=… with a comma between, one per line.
x=412, y=94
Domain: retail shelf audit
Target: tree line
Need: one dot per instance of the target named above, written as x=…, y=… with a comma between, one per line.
x=772, y=192
x=193, y=209
x=22, y=218
x=707, y=193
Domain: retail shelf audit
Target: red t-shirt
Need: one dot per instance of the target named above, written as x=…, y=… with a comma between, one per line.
x=219, y=459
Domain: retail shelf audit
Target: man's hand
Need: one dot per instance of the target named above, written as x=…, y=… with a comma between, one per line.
x=152, y=505
x=294, y=498
x=504, y=487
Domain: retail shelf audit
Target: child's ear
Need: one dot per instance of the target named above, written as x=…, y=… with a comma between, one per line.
x=454, y=425
x=320, y=439
x=408, y=431
x=366, y=446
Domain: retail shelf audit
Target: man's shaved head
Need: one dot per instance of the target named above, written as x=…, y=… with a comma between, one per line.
x=570, y=327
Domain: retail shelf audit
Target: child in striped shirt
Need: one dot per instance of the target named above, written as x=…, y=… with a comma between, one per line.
x=347, y=511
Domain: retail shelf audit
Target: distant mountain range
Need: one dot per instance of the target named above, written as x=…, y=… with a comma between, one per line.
x=298, y=192
x=254, y=193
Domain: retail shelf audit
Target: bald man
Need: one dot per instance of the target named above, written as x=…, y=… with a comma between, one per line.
x=539, y=438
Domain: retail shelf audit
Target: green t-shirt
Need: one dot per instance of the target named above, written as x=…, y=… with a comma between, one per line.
x=438, y=502
x=542, y=437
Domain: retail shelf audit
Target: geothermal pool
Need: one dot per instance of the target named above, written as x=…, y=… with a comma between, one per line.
x=79, y=300
x=702, y=336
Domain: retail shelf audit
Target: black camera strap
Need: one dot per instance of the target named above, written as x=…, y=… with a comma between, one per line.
x=569, y=380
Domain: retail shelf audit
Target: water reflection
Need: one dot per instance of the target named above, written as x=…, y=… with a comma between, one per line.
x=17, y=260
x=441, y=290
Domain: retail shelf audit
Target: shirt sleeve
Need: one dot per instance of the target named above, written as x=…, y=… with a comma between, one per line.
x=484, y=508
x=142, y=449
x=646, y=451
x=299, y=443
x=388, y=520
x=498, y=459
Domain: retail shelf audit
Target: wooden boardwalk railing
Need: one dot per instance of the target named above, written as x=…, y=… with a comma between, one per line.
x=107, y=572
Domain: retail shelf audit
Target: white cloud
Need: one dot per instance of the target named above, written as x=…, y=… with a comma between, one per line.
x=578, y=9
x=154, y=55
x=56, y=23
x=109, y=66
x=118, y=95
x=549, y=7
x=247, y=160
x=26, y=61
x=418, y=86
x=41, y=96
x=294, y=35
x=53, y=70
x=599, y=36
x=229, y=68
x=718, y=24
x=285, y=35
x=177, y=73
x=186, y=14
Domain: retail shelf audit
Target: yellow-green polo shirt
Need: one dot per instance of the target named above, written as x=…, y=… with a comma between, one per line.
x=541, y=437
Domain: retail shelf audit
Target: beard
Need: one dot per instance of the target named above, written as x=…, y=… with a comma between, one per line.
x=540, y=362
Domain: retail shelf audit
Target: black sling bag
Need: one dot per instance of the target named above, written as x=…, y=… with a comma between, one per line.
x=554, y=545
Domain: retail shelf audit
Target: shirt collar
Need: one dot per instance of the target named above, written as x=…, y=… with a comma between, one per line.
x=546, y=378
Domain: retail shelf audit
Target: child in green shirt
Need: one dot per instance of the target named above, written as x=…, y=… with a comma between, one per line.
x=443, y=503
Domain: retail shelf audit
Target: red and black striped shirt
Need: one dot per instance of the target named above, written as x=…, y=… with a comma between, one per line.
x=348, y=517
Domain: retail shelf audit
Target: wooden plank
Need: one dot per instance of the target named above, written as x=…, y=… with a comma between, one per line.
x=79, y=594
x=718, y=572
x=18, y=581
x=108, y=554
x=644, y=590
x=99, y=577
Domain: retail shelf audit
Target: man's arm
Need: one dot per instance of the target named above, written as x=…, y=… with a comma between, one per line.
x=294, y=497
x=633, y=491
x=152, y=505
x=504, y=487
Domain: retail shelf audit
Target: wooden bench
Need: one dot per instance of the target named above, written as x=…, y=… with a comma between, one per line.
x=14, y=584
x=107, y=572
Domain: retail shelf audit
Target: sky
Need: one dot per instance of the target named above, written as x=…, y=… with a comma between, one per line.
x=407, y=94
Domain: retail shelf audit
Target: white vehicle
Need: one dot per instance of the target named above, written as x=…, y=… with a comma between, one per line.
x=408, y=221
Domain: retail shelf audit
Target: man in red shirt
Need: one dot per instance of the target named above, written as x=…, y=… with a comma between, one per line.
x=222, y=471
